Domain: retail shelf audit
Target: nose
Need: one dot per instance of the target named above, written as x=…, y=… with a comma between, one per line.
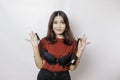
x=59, y=24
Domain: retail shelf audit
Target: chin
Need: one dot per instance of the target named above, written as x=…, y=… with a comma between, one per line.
x=59, y=33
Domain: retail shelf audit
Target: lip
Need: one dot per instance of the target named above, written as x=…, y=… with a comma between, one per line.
x=58, y=29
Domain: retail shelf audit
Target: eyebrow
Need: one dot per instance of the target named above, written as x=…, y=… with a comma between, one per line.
x=60, y=20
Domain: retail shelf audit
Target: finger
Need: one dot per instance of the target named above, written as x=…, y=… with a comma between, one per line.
x=35, y=36
x=27, y=40
x=79, y=42
x=88, y=42
x=30, y=34
x=33, y=33
x=84, y=36
x=84, y=39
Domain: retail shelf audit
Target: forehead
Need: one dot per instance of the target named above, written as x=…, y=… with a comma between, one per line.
x=58, y=18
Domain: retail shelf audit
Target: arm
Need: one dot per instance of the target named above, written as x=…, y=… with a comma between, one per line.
x=37, y=57
x=81, y=46
x=33, y=40
x=78, y=54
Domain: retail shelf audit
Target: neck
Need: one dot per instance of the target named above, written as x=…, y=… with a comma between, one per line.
x=60, y=36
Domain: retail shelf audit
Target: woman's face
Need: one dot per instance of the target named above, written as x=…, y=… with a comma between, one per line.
x=59, y=25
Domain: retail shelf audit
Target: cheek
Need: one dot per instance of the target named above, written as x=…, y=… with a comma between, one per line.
x=63, y=28
x=54, y=26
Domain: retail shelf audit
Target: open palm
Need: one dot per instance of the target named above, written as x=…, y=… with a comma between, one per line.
x=33, y=39
x=83, y=42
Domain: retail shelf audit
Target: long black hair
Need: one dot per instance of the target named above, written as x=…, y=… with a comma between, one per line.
x=51, y=36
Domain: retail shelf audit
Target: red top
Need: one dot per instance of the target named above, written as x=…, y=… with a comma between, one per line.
x=57, y=49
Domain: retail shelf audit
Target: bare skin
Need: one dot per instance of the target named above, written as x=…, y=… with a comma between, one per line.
x=34, y=42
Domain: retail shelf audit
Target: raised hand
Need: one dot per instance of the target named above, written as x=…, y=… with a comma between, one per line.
x=83, y=42
x=33, y=39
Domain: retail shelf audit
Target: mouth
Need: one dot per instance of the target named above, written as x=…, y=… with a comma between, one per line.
x=58, y=29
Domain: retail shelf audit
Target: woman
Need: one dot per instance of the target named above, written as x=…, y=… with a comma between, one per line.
x=58, y=52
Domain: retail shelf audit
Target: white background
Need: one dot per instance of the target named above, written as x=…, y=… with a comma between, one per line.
x=98, y=19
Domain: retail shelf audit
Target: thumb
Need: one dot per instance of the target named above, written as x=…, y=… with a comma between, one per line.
x=27, y=40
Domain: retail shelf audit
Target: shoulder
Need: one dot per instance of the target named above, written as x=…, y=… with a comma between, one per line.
x=43, y=40
x=75, y=43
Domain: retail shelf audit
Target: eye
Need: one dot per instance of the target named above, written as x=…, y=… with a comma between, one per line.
x=55, y=22
x=63, y=22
